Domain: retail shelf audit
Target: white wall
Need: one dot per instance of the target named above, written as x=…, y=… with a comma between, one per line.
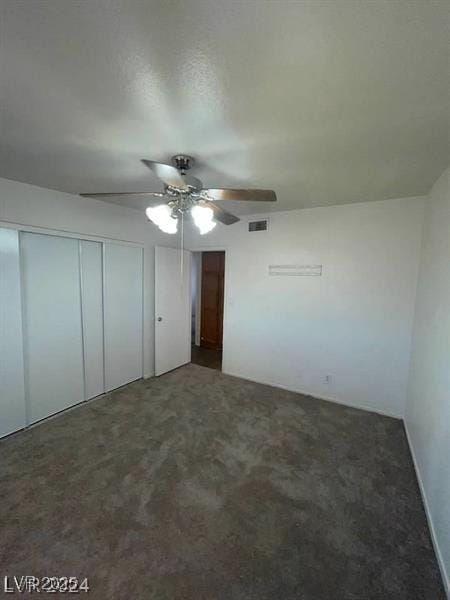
x=31, y=206
x=428, y=405
x=354, y=323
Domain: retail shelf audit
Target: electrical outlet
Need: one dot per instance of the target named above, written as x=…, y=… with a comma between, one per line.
x=327, y=379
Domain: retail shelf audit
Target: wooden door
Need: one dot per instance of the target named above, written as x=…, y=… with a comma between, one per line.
x=213, y=270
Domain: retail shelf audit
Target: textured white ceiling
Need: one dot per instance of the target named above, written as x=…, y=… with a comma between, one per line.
x=324, y=102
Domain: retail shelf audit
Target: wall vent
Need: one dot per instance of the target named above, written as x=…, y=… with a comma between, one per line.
x=258, y=225
x=295, y=270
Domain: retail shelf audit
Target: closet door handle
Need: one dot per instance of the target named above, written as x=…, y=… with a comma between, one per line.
x=159, y=318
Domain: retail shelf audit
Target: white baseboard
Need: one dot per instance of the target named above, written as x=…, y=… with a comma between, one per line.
x=437, y=550
x=314, y=395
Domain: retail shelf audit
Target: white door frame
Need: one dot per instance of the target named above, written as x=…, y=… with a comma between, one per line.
x=197, y=264
x=66, y=234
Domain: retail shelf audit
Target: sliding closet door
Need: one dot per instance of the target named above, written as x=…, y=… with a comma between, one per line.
x=92, y=314
x=52, y=322
x=123, y=307
x=12, y=393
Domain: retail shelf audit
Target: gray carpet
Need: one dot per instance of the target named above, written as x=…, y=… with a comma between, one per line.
x=201, y=486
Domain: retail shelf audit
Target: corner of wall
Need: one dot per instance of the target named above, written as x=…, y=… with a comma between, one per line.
x=423, y=353
x=433, y=534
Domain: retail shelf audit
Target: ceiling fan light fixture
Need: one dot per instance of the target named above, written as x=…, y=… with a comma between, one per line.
x=183, y=192
x=161, y=216
x=203, y=218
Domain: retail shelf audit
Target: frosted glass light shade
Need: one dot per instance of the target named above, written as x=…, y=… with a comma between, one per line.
x=162, y=217
x=203, y=218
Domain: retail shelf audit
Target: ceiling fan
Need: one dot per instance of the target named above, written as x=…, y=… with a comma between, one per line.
x=184, y=193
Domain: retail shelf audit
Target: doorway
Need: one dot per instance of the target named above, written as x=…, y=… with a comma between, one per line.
x=207, y=308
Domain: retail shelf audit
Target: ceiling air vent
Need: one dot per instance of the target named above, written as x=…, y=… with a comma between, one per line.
x=258, y=225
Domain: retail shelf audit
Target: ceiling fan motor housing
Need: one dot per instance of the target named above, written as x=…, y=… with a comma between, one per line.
x=183, y=162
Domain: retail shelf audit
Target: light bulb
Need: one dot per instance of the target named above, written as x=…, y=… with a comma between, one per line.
x=203, y=218
x=161, y=216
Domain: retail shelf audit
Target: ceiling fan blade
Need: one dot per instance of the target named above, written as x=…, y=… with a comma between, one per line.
x=107, y=194
x=222, y=215
x=193, y=182
x=246, y=195
x=170, y=175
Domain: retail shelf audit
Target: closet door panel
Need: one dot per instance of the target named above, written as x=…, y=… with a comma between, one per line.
x=122, y=314
x=52, y=320
x=12, y=393
x=92, y=313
